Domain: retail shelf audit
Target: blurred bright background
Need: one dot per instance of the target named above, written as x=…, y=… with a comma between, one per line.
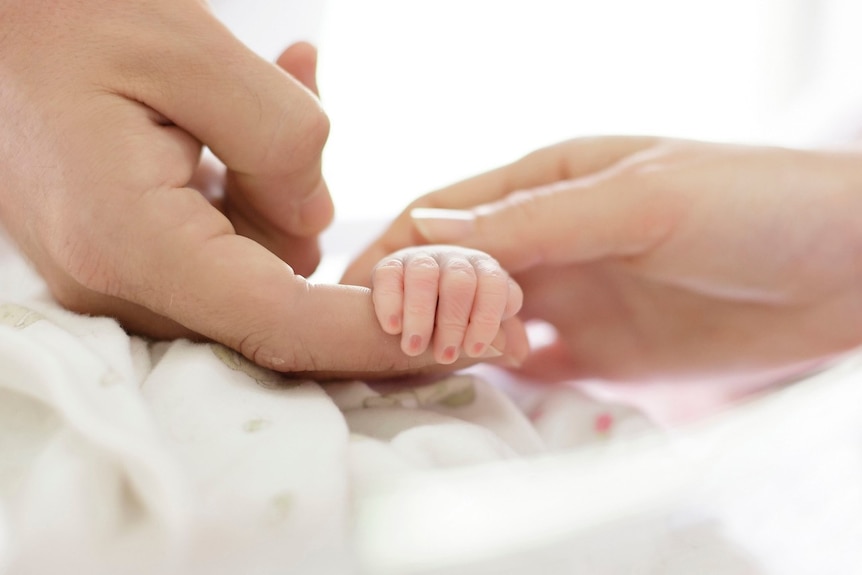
x=422, y=93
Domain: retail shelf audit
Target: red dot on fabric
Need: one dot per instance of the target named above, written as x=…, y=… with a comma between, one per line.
x=604, y=422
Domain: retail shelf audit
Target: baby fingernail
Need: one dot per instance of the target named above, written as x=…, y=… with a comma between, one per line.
x=450, y=354
x=439, y=225
x=414, y=344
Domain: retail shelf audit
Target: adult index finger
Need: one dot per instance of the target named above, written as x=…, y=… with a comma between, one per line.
x=190, y=267
x=560, y=162
x=609, y=214
x=261, y=122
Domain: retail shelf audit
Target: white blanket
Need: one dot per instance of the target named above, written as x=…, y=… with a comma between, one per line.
x=122, y=455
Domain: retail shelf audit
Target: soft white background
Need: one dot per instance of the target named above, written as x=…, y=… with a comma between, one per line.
x=422, y=93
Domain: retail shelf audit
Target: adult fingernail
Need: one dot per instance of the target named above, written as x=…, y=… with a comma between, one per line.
x=491, y=352
x=439, y=225
x=501, y=357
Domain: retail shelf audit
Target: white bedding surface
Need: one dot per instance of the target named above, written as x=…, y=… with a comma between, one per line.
x=121, y=455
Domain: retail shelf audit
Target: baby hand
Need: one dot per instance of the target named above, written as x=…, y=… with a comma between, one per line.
x=455, y=296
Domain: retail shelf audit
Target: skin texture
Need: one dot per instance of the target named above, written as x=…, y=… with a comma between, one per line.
x=449, y=297
x=665, y=259
x=106, y=105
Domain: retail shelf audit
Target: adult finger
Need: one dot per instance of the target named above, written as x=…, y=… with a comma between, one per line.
x=266, y=219
x=371, y=353
x=230, y=289
x=170, y=254
x=300, y=61
x=568, y=160
x=258, y=120
x=566, y=222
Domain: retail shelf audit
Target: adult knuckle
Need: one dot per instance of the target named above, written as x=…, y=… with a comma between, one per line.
x=251, y=346
x=69, y=295
x=88, y=268
x=525, y=202
x=318, y=129
x=524, y=206
x=258, y=346
x=296, y=140
x=654, y=190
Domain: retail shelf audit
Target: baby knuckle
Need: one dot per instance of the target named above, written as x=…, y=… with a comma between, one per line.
x=496, y=281
x=389, y=267
x=423, y=261
x=451, y=327
x=460, y=273
x=462, y=288
x=461, y=266
x=420, y=308
x=487, y=317
x=423, y=270
x=495, y=284
x=384, y=296
x=486, y=264
x=455, y=319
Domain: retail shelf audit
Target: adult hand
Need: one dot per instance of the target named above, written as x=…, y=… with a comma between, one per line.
x=106, y=105
x=657, y=259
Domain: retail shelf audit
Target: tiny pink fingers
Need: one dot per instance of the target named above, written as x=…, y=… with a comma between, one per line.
x=458, y=282
x=421, y=285
x=493, y=295
x=387, y=294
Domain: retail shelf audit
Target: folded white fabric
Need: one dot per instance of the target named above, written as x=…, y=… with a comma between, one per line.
x=197, y=462
x=119, y=454
x=122, y=455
